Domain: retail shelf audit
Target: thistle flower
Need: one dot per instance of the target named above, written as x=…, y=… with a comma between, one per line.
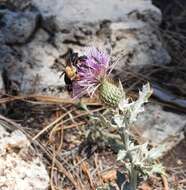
x=93, y=76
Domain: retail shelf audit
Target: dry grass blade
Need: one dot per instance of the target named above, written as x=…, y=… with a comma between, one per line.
x=60, y=167
x=55, y=153
x=50, y=125
x=61, y=123
x=49, y=100
x=10, y=125
x=57, y=128
x=165, y=182
x=52, y=171
x=86, y=170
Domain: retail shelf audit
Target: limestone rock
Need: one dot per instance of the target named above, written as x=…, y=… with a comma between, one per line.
x=2, y=90
x=126, y=29
x=33, y=73
x=69, y=12
x=18, y=27
x=19, y=169
x=130, y=26
x=18, y=4
x=159, y=126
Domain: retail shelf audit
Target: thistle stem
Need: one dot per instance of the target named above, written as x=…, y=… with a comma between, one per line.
x=133, y=178
x=133, y=172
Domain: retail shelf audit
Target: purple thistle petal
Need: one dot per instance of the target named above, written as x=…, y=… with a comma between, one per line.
x=91, y=71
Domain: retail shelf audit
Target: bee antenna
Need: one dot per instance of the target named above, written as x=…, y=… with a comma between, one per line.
x=68, y=52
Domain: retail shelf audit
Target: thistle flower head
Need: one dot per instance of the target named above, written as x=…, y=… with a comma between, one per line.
x=91, y=71
x=93, y=76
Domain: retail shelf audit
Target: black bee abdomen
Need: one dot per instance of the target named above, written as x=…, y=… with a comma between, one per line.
x=68, y=83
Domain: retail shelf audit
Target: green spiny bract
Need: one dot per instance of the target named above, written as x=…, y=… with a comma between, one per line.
x=109, y=93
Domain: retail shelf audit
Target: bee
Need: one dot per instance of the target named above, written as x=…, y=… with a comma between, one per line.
x=72, y=61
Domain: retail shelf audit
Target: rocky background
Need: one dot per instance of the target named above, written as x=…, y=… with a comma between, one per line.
x=34, y=36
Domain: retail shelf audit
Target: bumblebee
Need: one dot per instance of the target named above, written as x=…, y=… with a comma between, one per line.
x=72, y=60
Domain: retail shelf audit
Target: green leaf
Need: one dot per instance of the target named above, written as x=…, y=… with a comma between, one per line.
x=137, y=106
x=121, y=155
x=157, y=169
x=118, y=119
x=155, y=153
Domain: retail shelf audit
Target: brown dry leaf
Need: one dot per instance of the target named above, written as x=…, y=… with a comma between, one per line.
x=165, y=182
x=109, y=176
x=85, y=167
x=145, y=186
x=86, y=171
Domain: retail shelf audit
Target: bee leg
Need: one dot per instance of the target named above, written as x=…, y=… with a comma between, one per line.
x=62, y=74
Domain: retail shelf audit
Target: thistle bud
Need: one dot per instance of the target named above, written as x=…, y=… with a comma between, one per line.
x=110, y=94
